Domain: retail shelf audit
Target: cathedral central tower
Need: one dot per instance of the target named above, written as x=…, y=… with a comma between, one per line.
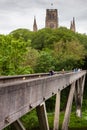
x=51, y=18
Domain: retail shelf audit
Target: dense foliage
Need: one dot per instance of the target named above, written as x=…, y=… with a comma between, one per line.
x=23, y=51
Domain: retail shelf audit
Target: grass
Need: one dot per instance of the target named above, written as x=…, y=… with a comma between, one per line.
x=30, y=120
x=76, y=122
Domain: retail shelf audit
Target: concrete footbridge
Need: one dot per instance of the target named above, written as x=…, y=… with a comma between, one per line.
x=20, y=94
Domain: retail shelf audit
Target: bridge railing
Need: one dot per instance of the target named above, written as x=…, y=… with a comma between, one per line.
x=5, y=79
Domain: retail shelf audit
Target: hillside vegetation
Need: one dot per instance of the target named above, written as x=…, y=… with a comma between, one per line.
x=24, y=52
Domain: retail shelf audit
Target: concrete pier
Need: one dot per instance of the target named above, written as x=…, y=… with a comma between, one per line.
x=68, y=108
x=57, y=112
x=42, y=116
x=18, y=125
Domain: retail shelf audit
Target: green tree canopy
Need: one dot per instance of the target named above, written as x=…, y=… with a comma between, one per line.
x=45, y=38
x=23, y=34
x=12, y=53
x=68, y=55
x=45, y=62
x=24, y=51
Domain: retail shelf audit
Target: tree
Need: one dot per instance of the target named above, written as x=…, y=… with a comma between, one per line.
x=23, y=34
x=42, y=39
x=44, y=63
x=83, y=40
x=12, y=53
x=31, y=57
x=68, y=55
x=45, y=38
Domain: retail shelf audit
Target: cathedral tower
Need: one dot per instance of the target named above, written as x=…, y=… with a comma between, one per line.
x=51, y=18
x=35, y=25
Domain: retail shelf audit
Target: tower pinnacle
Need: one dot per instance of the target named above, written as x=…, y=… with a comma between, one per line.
x=72, y=26
x=35, y=25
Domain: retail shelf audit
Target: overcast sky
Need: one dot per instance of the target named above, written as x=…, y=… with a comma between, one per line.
x=16, y=14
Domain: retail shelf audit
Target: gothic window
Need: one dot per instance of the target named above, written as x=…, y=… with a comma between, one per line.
x=53, y=16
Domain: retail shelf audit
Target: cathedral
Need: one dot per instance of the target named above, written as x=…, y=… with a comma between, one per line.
x=51, y=20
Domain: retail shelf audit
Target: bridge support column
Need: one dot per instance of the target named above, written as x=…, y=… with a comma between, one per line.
x=42, y=116
x=18, y=125
x=57, y=112
x=79, y=95
x=68, y=108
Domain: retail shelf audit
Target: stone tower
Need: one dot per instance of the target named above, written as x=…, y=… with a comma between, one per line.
x=72, y=26
x=51, y=18
x=35, y=25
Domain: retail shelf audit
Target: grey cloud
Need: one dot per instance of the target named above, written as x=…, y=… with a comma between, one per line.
x=15, y=13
